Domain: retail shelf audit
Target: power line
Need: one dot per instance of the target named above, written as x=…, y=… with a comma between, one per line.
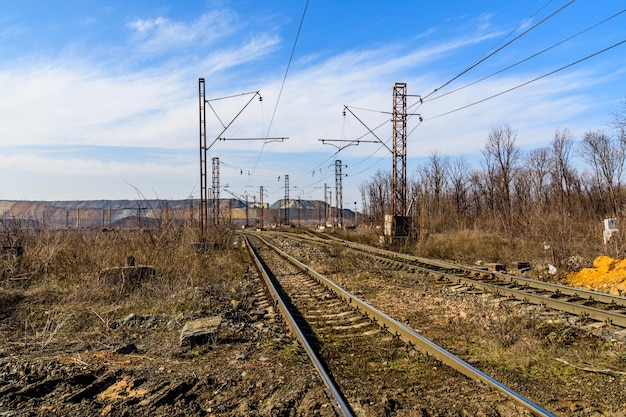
x=355, y=140
x=370, y=166
x=370, y=131
x=383, y=144
x=530, y=57
x=475, y=64
x=522, y=24
x=244, y=171
x=293, y=49
x=438, y=89
x=530, y=81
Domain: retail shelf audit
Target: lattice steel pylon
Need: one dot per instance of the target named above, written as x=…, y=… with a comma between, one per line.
x=339, y=193
x=261, y=205
x=364, y=205
x=398, y=180
x=216, y=190
x=204, y=148
x=204, y=207
x=326, y=203
x=286, y=203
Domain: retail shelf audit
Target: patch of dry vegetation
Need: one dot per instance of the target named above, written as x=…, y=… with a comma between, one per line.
x=470, y=246
x=52, y=294
x=75, y=342
x=507, y=339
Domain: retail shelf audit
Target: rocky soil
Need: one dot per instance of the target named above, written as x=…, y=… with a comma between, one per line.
x=564, y=363
x=63, y=355
x=250, y=368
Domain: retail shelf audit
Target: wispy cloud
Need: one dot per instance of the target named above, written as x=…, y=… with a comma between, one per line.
x=73, y=103
x=160, y=34
x=78, y=101
x=222, y=59
x=67, y=176
x=102, y=101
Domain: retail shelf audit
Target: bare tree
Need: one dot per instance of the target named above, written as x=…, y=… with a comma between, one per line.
x=378, y=188
x=522, y=199
x=479, y=196
x=538, y=165
x=606, y=155
x=531, y=196
x=432, y=186
x=459, y=187
x=563, y=173
x=619, y=119
x=501, y=158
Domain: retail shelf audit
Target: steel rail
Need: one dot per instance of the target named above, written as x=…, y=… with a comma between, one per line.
x=411, y=337
x=610, y=315
x=341, y=404
x=555, y=288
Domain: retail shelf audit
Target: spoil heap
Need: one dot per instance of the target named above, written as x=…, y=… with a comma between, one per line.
x=607, y=275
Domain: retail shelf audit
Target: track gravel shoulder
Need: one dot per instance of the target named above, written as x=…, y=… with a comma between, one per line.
x=570, y=370
x=94, y=360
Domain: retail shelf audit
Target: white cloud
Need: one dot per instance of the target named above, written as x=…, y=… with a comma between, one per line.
x=73, y=103
x=222, y=59
x=65, y=165
x=54, y=177
x=144, y=25
x=160, y=34
x=81, y=101
x=313, y=99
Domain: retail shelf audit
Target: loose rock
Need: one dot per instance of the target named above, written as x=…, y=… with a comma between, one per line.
x=200, y=331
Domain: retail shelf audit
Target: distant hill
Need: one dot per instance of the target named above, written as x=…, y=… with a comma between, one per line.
x=298, y=204
x=146, y=213
x=89, y=213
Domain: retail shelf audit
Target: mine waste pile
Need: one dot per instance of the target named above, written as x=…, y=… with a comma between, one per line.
x=608, y=275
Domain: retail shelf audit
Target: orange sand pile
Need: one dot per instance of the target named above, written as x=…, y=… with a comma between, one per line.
x=607, y=275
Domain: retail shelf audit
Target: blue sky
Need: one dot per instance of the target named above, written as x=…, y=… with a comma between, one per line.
x=100, y=99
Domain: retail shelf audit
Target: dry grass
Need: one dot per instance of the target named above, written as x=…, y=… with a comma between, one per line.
x=496, y=336
x=51, y=294
x=469, y=246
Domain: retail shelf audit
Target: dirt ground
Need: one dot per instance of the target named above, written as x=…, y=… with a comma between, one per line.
x=77, y=348
x=568, y=365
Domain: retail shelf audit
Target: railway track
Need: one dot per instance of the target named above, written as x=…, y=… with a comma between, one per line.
x=361, y=352
x=588, y=305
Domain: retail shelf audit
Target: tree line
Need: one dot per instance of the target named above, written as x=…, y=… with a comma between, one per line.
x=542, y=194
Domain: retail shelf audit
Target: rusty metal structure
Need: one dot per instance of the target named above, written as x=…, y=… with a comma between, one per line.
x=401, y=224
x=286, y=201
x=397, y=223
x=339, y=193
x=261, y=206
x=216, y=190
x=326, y=202
x=203, y=210
x=204, y=188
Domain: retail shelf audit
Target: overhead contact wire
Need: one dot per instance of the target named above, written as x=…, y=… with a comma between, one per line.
x=530, y=81
x=293, y=50
x=529, y=57
x=475, y=64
